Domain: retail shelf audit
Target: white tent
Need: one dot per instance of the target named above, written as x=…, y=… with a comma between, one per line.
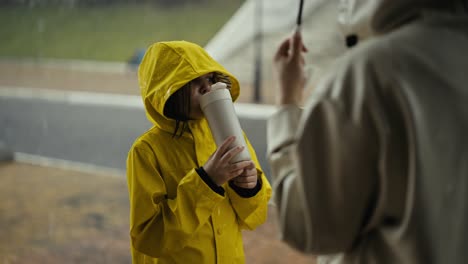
x=234, y=45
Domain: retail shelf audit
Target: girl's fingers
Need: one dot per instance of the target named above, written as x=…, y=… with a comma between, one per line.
x=237, y=173
x=224, y=147
x=241, y=165
x=251, y=172
x=248, y=185
x=249, y=167
x=252, y=166
x=246, y=179
x=231, y=153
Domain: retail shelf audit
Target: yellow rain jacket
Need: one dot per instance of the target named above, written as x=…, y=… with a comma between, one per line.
x=175, y=217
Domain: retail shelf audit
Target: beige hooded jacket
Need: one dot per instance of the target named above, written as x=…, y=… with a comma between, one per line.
x=374, y=169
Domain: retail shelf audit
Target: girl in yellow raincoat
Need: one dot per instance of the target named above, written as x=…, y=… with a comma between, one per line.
x=188, y=202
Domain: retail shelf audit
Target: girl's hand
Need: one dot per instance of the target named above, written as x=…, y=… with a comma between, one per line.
x=248, y=178
x=219, y=167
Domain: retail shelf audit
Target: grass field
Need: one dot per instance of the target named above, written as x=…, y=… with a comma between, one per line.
x=106, y=33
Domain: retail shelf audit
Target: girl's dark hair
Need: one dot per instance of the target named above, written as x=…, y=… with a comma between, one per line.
x=178, y=108
x=178, y=105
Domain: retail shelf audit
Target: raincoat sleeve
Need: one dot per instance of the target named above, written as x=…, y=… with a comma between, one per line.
x=252, y=211
x=324, y=168
x=158, y=225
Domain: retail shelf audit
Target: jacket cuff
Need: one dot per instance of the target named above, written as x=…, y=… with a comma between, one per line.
x=244, y=192
x=202, y=173
x=282, y=127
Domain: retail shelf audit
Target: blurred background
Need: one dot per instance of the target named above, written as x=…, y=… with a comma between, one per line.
x=70, y=110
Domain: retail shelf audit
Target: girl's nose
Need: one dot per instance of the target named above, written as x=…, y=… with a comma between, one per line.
x=206, y=87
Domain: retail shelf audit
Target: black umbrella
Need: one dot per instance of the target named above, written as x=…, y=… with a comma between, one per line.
x=299, y=14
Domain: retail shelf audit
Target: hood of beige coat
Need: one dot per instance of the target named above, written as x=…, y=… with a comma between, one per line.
x=365, y=18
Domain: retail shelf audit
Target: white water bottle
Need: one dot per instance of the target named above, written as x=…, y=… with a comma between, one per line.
x=219, y=110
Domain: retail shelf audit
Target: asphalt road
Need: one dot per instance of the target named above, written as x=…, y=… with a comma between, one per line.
x=93, y=129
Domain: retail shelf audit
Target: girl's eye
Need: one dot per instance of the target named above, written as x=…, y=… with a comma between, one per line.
x=211, y=79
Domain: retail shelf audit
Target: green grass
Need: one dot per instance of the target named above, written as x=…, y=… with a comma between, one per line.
x=109, y=34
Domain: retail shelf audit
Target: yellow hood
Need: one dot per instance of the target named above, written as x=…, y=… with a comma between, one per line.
x=166, y=67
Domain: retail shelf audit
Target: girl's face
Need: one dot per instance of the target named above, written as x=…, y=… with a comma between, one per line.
x=199, y=87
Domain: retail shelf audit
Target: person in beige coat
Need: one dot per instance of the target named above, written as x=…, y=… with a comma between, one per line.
x=374, y=167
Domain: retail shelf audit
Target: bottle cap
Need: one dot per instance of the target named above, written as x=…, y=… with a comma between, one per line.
x=218, y=85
